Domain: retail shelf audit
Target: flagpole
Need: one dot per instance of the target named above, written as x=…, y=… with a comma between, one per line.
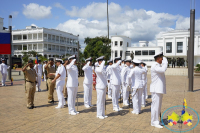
x=10, y=56
x=108, y=22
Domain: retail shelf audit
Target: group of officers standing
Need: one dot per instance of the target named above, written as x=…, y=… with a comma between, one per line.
x=121, y=78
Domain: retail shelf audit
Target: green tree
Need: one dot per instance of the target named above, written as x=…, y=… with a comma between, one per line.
x=96, y=47
x=42, y=58
x=28, y=54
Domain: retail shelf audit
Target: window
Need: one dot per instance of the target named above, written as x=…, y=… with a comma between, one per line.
x=121, y=43
x=151, y=52
x=116, y=53
x=179, y=47
x=24, y=36
x=127, y=44
x=121, y=52
x=145, y=52
x=137, y=52
x=169, y=47
x=128, y=53
x=24, y=47
x=115, y=43
x=49, y=47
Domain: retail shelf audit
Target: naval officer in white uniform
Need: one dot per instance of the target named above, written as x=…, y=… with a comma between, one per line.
x=144, y=80
x=124, y=77
x=3, y=69
x=157, y=87
x=135, y=81
x=108, y=72
x=87, y=83
x=101, y=87
x=38, y=68
x=116, y=82
x=60, y=82
x=43, y=69
x=72, y=84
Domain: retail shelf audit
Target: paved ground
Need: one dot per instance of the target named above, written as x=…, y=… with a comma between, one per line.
x=15, y=117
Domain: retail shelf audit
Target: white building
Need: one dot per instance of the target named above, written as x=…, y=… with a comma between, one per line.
x=121, y=46
x=47, y=42
x=173, y=44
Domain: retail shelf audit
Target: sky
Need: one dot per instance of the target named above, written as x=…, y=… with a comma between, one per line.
x=141, y=20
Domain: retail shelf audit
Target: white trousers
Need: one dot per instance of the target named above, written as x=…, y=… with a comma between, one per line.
x=145, y=87
x=125, y=94
x=101, y=97
x=72, y=93
x=59, y=88
x=156, y=107
x=137, y=99
x=44, y=77
x=3, y=80
x=144, y=93
x=115, y=95
x=87, y=94
x=38, y=79
x=109, y=89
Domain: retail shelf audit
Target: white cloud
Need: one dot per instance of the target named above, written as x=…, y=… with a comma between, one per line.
x=184, y=23
x=139, y=25
x=14, y=14
x=58, y=5
x=94, y=10
x=35, y=11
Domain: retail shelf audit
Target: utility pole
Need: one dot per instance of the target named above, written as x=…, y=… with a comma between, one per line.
x=10, y=56
x=191, y=47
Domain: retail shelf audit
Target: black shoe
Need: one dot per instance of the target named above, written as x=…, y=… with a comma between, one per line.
x=51, y=101
x=33, y=106
x=30, y=107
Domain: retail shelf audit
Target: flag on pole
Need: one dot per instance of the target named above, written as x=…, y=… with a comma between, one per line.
x=5, y=43
x=184, y=106
x=36, y=61
x=185, y=103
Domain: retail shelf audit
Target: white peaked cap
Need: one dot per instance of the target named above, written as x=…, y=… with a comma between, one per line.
x=117, y=58
x=89, y=59
x=72, y=57
x=109, y=61
x=57, y=59
x=136, y=61
x=158, y=54
x=128, y=59
x=100, y=58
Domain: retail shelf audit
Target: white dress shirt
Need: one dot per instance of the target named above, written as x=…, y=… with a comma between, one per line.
x=135, y=77
x=101, y=80
x=115, y=73
x=38, y=68
x=43, y=67
x=124, y=74
x=88, y=73
x=158, y=81
x=61, y=70
x=108, y=72
x=72, y=73
x=3, y=68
